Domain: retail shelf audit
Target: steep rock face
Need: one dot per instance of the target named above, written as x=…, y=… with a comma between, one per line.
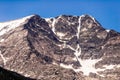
x=62, y=48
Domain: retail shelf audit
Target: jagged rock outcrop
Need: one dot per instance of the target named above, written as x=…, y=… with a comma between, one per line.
x=62, y=48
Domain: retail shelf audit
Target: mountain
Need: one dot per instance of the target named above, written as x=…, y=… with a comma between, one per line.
x=62, y=48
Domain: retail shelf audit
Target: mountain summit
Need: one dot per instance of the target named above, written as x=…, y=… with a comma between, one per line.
x=62, y=48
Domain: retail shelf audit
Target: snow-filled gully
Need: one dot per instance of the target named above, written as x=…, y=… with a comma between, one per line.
x=87, y=66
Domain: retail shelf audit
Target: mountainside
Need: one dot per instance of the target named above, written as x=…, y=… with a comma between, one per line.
x=62, y=48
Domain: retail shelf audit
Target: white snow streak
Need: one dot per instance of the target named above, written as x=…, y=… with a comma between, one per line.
x=111, y=66
x=53, y=25
x=7, y=26
x=70, y=67
x=79, y=26
x=4, y=60
x=68, y=46
x=2, y=40
x=66, y=66
x=78, y=53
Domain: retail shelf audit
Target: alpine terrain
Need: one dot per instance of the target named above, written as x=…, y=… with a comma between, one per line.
x=62, y=48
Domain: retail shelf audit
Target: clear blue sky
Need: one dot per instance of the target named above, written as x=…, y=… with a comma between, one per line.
x=107, y=12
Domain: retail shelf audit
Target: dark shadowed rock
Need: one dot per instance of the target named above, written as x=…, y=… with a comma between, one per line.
x=9, y=75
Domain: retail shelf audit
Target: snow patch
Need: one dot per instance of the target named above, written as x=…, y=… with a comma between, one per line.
x=2, y=40
x=70, y=23
x=108, y=30
x=60, y=34
x=3, y=58
x=88, y=66
x=47, y=19
x=7, y=26
x=27, y=75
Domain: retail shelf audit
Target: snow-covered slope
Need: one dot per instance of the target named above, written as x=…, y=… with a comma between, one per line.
x=7, y=26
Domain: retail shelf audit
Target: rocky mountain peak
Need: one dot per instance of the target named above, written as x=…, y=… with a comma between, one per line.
x=65, y=26
x=62, y=48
